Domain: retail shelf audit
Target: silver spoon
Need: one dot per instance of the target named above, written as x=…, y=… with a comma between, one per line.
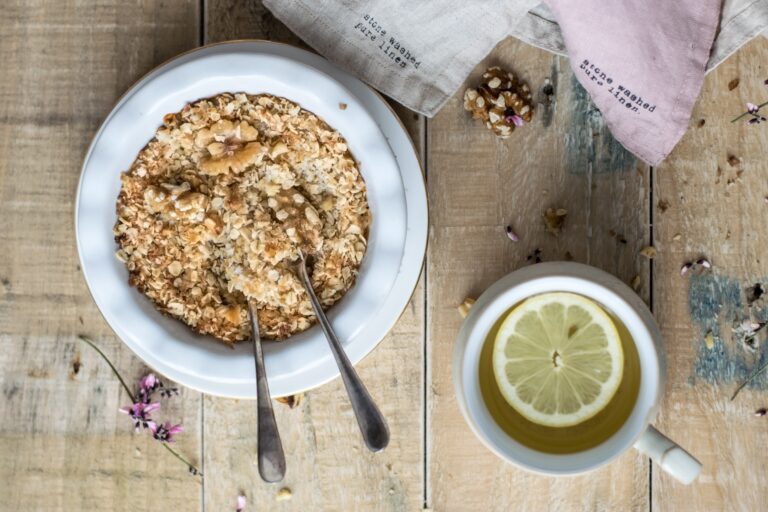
x=372, y=424
x=270, y=448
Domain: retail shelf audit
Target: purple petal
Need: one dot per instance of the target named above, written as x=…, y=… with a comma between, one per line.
x=752, y=108
x=240, y=503
x=515, y=119
x=175, y=429
x=148, y=382
x=150, y=407
x=152, y=426
x=754, y=120
x=128, y=409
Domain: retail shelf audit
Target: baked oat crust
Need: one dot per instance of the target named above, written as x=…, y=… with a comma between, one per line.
x=214, y=208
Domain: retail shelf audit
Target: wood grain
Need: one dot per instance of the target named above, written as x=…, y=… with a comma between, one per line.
x=64, y=445
x=719, y=215
x=329, y=468
x=479, y=184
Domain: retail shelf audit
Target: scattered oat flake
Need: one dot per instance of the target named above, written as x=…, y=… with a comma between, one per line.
x=761, y=412
x=677, y=237
x=284, y=494
x=465, y=306
x=649, y=252
x=342, y=106
x=511, y=234
x=733, y=84
x=635, y=283
x=709, y=340
x=554, y=218
x=733, y=160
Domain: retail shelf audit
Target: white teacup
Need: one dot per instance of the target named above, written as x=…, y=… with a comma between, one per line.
x=636, y=431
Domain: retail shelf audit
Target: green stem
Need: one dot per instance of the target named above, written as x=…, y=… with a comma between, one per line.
x=114, y=370
x=747, y=113
x=750, y=379
x=191, y=467
x=176, y=454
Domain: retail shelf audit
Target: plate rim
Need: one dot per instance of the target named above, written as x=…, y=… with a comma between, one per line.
x=423, y=241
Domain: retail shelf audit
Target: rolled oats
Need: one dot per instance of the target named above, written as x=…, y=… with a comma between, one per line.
x=215, y=207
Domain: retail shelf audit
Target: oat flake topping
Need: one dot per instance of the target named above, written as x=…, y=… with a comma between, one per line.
x=214, y=208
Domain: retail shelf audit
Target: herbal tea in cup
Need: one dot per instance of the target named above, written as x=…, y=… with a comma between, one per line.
x=559, y=368
x=559, y=373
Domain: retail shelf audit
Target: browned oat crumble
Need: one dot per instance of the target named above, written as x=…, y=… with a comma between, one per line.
x=215, y=207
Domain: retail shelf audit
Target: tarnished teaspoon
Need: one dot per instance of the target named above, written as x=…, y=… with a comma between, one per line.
x=270, y=448
x=369, y=418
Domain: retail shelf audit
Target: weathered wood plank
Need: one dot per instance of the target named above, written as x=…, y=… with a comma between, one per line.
x=701, y=211
x=329, y=468
x=64, y=445
x=479, y=184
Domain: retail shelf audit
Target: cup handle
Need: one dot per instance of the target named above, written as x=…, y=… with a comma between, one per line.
x=668, y=455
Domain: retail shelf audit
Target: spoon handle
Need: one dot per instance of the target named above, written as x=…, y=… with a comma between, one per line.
x=372, y=424
x=270, y=448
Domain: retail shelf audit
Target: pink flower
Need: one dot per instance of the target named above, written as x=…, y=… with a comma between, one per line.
x=164, y=433
x=149, y=382
x=510, y=116
x=139, y=413
x=240, y=503
x=752, y=108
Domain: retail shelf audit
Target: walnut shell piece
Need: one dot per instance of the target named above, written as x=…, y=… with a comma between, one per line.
x=501, y=102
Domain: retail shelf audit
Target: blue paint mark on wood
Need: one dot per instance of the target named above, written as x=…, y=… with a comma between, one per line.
x=589, y=145
x=717, y=303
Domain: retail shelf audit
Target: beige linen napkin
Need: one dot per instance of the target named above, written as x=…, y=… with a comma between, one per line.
x=419, y=53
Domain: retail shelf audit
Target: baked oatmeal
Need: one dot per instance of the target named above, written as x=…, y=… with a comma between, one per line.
x=215, y=208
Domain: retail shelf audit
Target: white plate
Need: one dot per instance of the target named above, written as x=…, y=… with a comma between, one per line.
x=396, y=195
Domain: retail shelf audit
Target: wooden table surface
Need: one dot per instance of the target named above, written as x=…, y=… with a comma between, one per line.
x=64, y=446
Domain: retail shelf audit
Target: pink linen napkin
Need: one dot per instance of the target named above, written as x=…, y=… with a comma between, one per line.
x=642, y=62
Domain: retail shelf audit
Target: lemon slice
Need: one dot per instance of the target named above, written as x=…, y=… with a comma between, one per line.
x=557, y=359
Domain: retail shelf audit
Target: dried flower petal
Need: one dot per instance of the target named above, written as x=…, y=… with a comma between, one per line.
x=164, y=433
x=139, y=413
x=515, y=119
x=291, y=401
x=554, y=220
x=761, y=412
x=703, y=262
x=685, y=268
x=754, y=293
x=241, y=502
x=511, y=234
x=752, y=108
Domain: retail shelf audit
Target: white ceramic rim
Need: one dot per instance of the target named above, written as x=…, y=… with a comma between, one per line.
x=541, y=278
x=410, y=220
